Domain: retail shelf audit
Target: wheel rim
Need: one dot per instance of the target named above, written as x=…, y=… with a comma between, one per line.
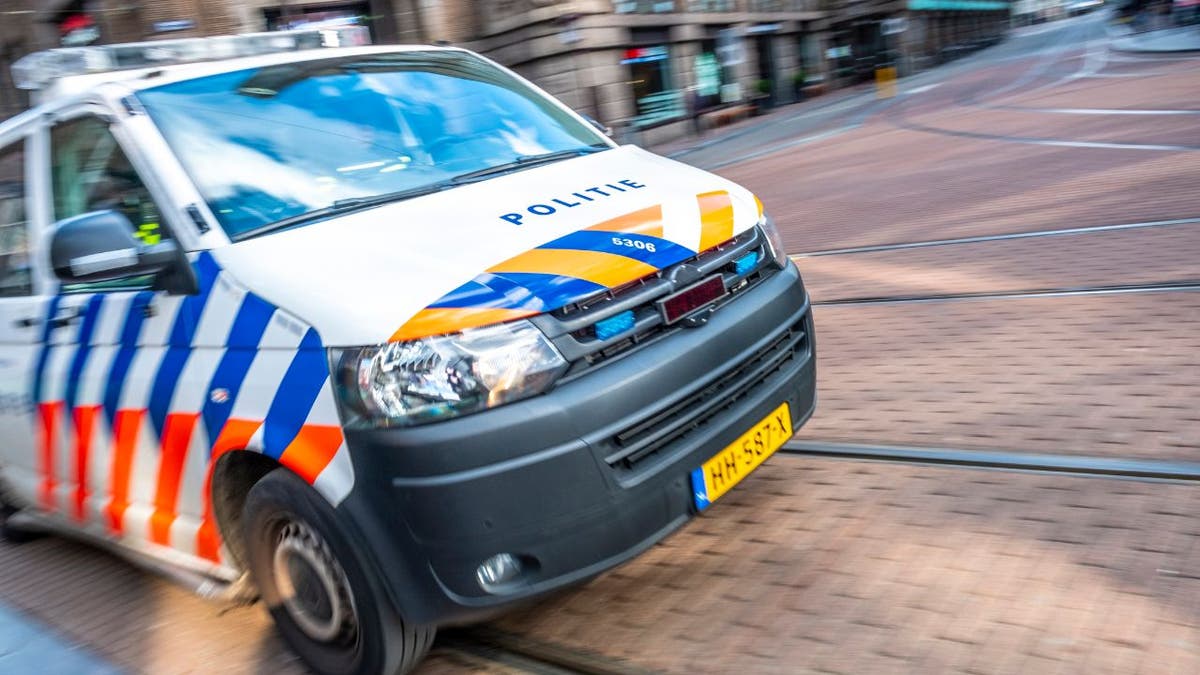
x=312, y=585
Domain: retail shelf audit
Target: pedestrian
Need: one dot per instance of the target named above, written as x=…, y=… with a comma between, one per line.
x=693, y=106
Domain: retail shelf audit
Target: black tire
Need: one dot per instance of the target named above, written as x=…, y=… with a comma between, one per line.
x=326, y=604
x=14, y=534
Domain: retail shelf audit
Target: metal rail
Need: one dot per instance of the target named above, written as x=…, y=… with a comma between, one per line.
x=484, y=644
x=875, y=248
x=1037, y=140
x=1136, y=469
x=1120, y=289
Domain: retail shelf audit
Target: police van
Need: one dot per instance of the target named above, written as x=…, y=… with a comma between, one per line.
x=385, y=336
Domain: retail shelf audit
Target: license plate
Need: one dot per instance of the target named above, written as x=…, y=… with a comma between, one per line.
x=729, y=466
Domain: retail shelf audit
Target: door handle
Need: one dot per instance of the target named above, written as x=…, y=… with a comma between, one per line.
x=65, y=318
x=60, y=320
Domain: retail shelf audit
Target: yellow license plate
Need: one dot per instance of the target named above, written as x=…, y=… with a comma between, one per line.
x=729, y=466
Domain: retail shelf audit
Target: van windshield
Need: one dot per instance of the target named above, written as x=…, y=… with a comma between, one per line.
x=269, y=147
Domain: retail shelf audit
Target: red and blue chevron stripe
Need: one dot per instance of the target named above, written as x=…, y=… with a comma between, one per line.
x=118, y=400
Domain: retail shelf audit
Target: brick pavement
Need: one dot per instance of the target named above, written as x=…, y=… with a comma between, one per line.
x=1178, y=130
x=1122, y=257
x=850, y=567
x=885, y=186
x=139, y=621
x=1175, y=90
x=1093, y=375
x=880, y=184
x=143, y=623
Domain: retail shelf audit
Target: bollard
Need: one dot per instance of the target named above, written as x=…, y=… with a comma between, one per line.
x=885, y=82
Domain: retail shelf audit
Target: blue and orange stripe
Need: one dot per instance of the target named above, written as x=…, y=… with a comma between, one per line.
x=604, y=256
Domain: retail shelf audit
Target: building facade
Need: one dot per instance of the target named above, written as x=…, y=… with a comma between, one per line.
x=647, y=64
x=642, y=66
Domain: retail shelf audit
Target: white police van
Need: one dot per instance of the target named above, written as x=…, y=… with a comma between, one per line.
x=388, y=330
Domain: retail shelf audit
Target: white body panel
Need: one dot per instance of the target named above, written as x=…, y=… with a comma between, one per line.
x=379, y=267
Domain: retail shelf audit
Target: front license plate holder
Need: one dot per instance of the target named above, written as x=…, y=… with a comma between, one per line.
x=728, y=467
x=684, y=303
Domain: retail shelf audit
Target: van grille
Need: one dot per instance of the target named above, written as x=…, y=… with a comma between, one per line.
x=572, y=328
x=665, y=427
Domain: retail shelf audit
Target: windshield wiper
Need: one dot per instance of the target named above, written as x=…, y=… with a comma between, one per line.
x=529, y=161
x=351, y=204
x=344, y=206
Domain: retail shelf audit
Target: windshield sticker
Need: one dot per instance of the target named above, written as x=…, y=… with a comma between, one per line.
x=549, y=207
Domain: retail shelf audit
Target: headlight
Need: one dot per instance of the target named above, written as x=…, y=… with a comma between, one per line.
x=436, y=378
x=775, y=241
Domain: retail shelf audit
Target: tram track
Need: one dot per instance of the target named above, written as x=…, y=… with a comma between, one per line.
x=483, y=646
x=904, y=123
x=1077, y=465
x=1009, y=236
x=1187, y=285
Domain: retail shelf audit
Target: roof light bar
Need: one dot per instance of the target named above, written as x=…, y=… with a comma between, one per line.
x=39, y=69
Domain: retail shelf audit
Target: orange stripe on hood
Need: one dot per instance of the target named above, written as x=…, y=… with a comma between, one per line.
x=605, y=269
x=647, y=222
x=443, y=320
x=716, y=218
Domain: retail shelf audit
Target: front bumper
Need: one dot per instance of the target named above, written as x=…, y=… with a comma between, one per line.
x=549, y=479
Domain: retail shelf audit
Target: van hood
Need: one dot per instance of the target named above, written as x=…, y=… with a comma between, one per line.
x=506, y=248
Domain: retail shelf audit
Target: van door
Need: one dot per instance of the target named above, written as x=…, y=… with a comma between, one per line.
x=123, y=375
x=21, y=327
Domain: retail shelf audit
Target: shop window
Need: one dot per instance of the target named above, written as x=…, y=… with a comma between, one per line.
x=643, y=6
x=320, y=16
x=654, y=93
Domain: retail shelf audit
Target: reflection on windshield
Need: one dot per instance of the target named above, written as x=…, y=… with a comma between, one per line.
x=272, y=143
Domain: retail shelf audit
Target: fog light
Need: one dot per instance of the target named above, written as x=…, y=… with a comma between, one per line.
x=498, y=570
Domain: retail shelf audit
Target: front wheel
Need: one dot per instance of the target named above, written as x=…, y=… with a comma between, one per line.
x=323, y=600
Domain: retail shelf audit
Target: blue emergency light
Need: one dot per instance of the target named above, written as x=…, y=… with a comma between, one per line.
x=744, y=264
x=614, y=325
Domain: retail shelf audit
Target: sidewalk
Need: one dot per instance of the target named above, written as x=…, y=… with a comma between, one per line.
x=26, y=646
x=691, y=142
x=1167, y=40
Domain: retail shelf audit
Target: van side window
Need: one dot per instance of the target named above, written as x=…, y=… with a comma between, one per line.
x=90, y=172
x=15, y=277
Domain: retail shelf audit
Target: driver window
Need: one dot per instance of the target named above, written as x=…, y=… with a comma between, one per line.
x=90, y=172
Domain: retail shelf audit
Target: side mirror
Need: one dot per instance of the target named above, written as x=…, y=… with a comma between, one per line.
x=604, y=129
x=100, y=246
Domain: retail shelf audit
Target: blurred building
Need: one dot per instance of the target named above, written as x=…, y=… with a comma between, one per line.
x=636, y=64
x=648, y=63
